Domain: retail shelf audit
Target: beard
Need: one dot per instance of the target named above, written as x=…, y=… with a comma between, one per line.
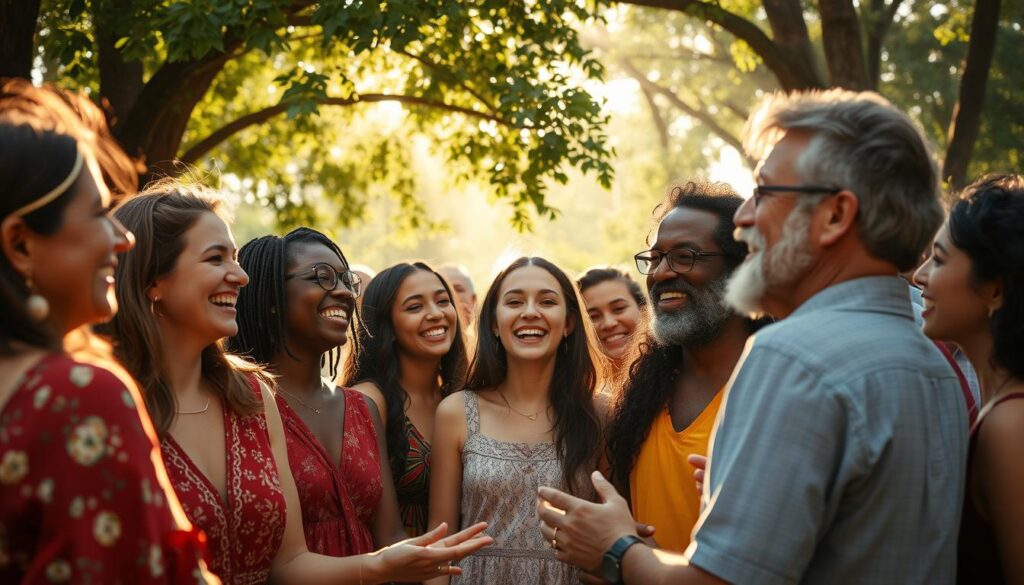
x=781, y=266
x=699, y=321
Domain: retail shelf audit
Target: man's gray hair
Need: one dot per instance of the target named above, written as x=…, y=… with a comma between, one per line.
x=861, y=142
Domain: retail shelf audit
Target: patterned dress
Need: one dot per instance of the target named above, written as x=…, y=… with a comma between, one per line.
x=80, y=498
x=412, y=485
x=339, y=499
x=246, y=531
x=499, y=486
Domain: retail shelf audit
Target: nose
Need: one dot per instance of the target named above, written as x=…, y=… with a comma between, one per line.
x=238, y=275
x=921, y=274
x=662, y=273
x=341, y=292
x=434, y=312
x=607, y=321
x=530, y=309
x=744, y=216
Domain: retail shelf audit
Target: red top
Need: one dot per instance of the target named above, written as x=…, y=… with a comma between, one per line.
x=978, y=557
x=339, y=499
x=81, y=495
x=246, y=531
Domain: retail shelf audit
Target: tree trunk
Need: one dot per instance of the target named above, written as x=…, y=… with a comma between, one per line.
x=120, y=80
x=966, y=123
x=17, y=34
x=789, y=31
x=878, y=19
x=844, y=52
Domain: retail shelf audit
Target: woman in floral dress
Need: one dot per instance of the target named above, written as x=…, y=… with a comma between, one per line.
x=83, y=496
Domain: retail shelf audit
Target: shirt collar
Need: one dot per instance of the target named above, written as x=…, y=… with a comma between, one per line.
x=881, y=294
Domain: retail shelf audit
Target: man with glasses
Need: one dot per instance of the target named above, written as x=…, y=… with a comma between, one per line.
x=667, y=406
x=839, y=454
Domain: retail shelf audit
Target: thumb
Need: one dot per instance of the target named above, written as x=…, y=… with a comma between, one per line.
x=604, y=488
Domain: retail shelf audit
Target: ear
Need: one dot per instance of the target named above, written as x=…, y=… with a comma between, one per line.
x=840, y=216
x=16, y=240
x=154, y=292
x=570, y=324
x=993, y=294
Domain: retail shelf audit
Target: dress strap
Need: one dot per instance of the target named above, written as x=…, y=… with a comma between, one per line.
x=472, y=412
x=990, y=406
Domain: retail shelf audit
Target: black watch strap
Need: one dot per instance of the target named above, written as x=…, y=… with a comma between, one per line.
x=611, y=564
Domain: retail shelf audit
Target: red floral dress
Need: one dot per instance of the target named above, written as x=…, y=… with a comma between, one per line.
x=339, y=499
x=245, y=532
x=81, y=500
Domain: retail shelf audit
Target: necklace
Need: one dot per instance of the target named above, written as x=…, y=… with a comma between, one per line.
x=299, y=400
x=522, y=414
x=200, y=411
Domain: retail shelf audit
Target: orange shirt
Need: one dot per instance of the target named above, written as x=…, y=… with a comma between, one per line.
x=661, y=484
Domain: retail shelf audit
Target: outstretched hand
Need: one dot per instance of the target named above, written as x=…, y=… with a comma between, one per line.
x=430, y=555
x=581, y=531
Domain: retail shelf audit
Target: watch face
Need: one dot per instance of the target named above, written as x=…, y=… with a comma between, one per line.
x=611, y=570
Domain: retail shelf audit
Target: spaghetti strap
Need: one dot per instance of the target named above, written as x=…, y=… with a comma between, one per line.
x=986, y=409
x=472, y=412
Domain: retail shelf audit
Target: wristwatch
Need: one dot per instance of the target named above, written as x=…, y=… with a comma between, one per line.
x=611, y=564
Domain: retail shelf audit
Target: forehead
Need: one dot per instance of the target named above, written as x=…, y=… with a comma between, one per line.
x=420, y=282
x=529, y=279
x=606, y=292
x=310, y=253
x=781, y=161
x=684, y=225
x=208, y=230
x=455, y=276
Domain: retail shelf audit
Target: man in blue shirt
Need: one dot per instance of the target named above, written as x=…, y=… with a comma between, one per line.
x=839, y=454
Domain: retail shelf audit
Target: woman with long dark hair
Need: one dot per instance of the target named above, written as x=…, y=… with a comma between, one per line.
x=293, y=317
x=526, y=419
x=222, y=438
x=973, y=291
x=83, y=497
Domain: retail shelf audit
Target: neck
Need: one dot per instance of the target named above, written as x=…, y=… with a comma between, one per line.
x=300, y=374
x=837, y=267
x=420, y=376
x=978, y=350
x=715, y=360
x=529, y=381
x=182, y=365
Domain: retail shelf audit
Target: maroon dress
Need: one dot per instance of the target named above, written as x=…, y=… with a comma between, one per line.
x=81, y=497
x=978, y=558
x=339, y=498
x=245, y=532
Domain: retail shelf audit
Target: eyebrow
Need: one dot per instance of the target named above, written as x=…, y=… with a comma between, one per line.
x=941, y=248
x=217, y=247
x=520, y=291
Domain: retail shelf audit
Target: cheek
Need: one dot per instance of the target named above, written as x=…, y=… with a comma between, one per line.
x=629, y=320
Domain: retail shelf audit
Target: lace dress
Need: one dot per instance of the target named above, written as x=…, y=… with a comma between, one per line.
x=499, y=486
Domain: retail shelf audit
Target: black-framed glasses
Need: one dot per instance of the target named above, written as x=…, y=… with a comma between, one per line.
x=761, y=191
x=328, y=278
x=680, y=260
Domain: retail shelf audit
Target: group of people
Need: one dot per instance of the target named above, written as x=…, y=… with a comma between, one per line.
x=174, y=408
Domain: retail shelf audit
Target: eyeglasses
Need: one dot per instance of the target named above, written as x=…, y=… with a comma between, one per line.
x=327, y=277
x=768, y=190
x=680, y=260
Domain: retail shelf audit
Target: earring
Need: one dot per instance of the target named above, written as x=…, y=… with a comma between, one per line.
x=152, y=309
x=37, y=307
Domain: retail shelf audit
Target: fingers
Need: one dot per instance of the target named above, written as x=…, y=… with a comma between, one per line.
x=697, y=461
x=428, y=538
x=644, y=530
x=547, y=531
x=550, y=515
x=454, y=553
x=604, y=488
x=559, y=499
x=462, y=535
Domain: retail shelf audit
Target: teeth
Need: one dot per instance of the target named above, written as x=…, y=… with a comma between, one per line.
x=333, y=312
x=615, y=337
x=224, y=300
x=530, y=333
x=665, y=296
x=435, y=332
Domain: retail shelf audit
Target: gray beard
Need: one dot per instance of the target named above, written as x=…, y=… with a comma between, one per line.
x=699, y=321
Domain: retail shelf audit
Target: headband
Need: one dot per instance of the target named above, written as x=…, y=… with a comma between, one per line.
x=55, y=192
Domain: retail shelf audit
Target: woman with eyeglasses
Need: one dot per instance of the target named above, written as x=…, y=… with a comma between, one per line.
x=223, y=441
x=410, y=354
x=294, y=317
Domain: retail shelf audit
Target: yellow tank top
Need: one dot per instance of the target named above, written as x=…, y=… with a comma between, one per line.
x=661, y=484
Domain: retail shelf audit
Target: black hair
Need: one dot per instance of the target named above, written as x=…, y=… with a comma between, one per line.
x=262, y=303
x=988, y=225
x=599, y=274
x=579, y=370
x=717, y=198
x=375, y=359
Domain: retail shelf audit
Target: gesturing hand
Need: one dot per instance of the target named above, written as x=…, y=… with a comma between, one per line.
x=699, y=463
x=429, y=555
x=580, y=531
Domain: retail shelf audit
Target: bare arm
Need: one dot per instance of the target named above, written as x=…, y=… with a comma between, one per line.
x=1001, y=459
x=446, y=464
x=387, y=520
x=371, y=391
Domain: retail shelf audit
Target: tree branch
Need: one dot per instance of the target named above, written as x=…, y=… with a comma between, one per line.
x=218, y=136
x=445, y=73
x=879, y=20
x=659, y=120
x=844, y=50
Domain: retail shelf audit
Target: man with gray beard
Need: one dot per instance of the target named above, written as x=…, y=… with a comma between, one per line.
x=839, y=454
x=668, y=402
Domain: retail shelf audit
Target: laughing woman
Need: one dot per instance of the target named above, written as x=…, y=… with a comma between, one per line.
x=527, y=419
x=411, y=354
x=616, y=306
x=973, y=289
x=294, y=315
x=222, y=438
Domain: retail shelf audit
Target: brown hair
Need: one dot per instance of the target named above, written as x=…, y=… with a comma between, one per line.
x=159, y=217
x=42, y=131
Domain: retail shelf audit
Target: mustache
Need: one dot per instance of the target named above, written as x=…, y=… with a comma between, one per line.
x=677, y=284
x=749, y=236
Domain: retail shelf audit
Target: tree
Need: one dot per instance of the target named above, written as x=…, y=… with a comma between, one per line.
x=494, y=83
x=855, y=44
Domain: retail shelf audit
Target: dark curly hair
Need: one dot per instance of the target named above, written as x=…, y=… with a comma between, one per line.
x=649, y=386
x=578, y=373
x=261, y=313
x=987, y=223
x=375, y=357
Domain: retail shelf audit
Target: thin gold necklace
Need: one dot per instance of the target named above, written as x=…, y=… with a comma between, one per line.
x=509, y=405
x=201, y=411
x=299, y=400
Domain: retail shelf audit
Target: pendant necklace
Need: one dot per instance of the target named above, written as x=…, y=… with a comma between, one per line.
x=522, y=414
x=299, y=400
x=200, y=411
